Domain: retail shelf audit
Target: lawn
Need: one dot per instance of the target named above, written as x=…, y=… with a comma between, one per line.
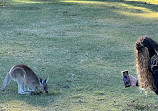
x=81, y=46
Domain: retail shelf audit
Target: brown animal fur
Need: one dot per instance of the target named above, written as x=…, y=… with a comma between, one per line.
x=145, y=77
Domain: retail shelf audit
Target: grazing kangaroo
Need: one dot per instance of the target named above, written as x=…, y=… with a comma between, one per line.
x=24, y=76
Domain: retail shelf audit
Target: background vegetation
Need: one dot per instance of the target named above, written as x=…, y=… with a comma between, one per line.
x=82, y=46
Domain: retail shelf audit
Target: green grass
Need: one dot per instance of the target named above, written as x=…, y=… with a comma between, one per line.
x=82, y=46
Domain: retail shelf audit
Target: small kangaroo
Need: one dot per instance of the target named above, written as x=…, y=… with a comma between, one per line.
x=24, y=76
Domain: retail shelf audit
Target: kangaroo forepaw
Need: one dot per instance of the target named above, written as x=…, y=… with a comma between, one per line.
x=24, y=92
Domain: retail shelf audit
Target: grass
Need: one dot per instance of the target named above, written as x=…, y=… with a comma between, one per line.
x=82, y=46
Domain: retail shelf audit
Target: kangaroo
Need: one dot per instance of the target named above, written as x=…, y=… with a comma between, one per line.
x=24, y=76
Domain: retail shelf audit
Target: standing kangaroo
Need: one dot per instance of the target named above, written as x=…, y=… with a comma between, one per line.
x=24, y=76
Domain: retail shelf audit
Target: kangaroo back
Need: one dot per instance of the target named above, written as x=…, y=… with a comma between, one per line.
x=30, y=77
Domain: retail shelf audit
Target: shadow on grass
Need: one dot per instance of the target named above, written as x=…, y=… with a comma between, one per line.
x=10, y=95
x=42, y=100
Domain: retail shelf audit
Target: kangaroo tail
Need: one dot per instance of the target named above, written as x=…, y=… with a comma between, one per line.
x=6, y=81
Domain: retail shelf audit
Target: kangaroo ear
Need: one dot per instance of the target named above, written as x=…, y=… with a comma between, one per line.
x=45, y=81
x=41, y=81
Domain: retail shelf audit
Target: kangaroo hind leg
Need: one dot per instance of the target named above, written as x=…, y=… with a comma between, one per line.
x=6, y=81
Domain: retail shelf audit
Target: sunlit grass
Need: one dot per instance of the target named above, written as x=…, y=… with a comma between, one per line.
x=138, y=11
x=124, y=8
x=17, y=105
x=146, y=1
x=26, y=1
x=150, y=15
x=86, y=2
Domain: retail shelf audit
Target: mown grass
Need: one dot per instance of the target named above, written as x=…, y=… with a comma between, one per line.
x=82, y=46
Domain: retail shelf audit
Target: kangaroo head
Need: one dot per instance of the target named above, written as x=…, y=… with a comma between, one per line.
x=43, y=85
